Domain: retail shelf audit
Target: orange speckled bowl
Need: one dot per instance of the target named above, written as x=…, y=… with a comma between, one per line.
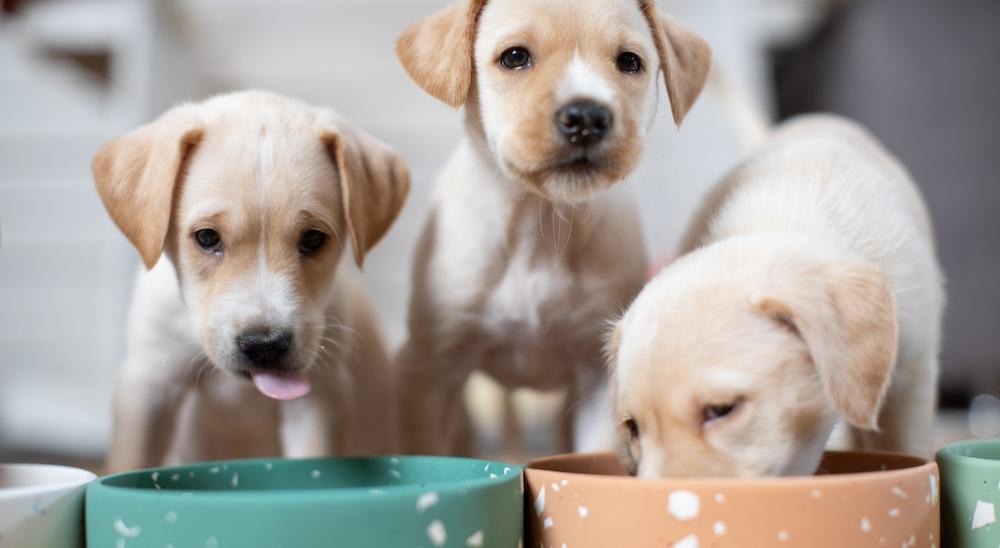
x=862, y=499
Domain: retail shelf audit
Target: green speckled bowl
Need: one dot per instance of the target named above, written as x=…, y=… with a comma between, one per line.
x=383, y=502
x=970, y=494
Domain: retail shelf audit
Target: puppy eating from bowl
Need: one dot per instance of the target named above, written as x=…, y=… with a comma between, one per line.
x=532, y=244
x=809, y=294
x=248, y=336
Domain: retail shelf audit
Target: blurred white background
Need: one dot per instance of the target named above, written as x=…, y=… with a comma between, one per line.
x=75, y=73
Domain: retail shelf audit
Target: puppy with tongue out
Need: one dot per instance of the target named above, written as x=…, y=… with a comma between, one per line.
x=249, y=333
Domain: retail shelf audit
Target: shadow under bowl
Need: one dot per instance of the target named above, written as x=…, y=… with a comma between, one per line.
x=862, y=499
x=363, y=502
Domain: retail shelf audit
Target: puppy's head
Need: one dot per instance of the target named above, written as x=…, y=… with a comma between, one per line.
x=564, y=90
x=721, y=370
x=254, y=197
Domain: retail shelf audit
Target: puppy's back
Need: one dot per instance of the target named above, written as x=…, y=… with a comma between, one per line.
x=820, y=175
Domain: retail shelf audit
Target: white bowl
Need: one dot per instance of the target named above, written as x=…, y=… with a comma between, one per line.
x=42, y=505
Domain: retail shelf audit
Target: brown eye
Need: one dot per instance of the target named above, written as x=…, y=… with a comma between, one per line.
x=311, y=242
x=208, y=239
x=714, y=412
x=629, y=63
x=516, y=59
x=633, y=428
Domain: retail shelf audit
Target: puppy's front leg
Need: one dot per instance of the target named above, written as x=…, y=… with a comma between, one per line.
x=320, y=424
x=150, y=391
x=428, y=387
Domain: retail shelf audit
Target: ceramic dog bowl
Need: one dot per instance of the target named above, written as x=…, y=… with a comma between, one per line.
x=41, y=505
x=970, y=494
x=866, y=499
x=357, y=502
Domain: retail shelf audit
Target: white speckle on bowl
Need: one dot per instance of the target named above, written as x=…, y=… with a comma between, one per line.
x=437, y=533
x=170, y=517
x=506, y=470
x=154, y=476
x=583, y=511
x=540, y=502
x=394, y=461
x=898, y=492
x=190, y=474
x=395, y=474
x=213, y=470
x=719, y=528
x=169, y=546
x=555, y=487
x=426, y=500
x=120, y=543
x=866, y=525
x=315, y=474
x=126, y=531
x=816, y=494
x=720, y=498
x=893, y=512
x=913, y=540
x=235, y=481
x=683, y=505
x=211, y=542
x=494, y=476
x=486, y=468
x=690, y=541
x=984, y=514
x=783, y=536
x=376, y=492
x=175, y=477
x=475, y=540
x=548, y=523
x=933, y=482
x=564, y=483
x=268, y=466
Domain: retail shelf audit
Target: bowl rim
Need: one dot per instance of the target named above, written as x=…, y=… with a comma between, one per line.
x=74, y=478
x=951, y=453
x=921, y=465
x=279, y=494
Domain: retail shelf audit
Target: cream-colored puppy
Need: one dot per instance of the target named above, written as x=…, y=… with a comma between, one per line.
x=247, y=337
x=529, y=250
x=810, y=293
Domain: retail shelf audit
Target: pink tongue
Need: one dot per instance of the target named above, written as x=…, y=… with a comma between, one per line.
x=281, y=386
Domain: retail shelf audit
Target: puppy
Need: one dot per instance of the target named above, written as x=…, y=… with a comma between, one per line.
x=810, y=293
x=529, y=249
x=247, y=338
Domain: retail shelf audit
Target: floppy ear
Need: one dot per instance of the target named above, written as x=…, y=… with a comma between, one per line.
x=136, y=176
x=374, y=182
x=846, y=314
x=437, y=51
x=685, y=59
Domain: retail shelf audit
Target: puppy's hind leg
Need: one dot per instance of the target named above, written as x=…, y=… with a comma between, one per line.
x=906, y=421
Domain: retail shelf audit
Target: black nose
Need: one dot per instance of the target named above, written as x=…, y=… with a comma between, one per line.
x=264, y=349
x=584, y=123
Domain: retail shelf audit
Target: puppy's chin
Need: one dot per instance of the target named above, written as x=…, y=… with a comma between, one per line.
x=568, y=182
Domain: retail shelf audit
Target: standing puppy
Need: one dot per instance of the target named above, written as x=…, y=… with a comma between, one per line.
x=244, y=339
x=811, y=293
x=528, y=250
